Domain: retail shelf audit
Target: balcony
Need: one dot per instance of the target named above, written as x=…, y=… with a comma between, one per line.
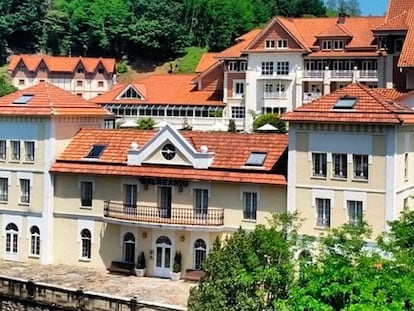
x=313, y=74
x=368, y=74
x=341, y=74
x=310, y=96
x=158, y=215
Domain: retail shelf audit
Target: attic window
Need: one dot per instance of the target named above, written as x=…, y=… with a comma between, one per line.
x=346, y=102
x=168, y=151
x=24, y=99
x=96, y=151
x=270, y=44
x=131, y=93
x=80, y=70
x=256, y=158
x=100, y=70
x=282, y=44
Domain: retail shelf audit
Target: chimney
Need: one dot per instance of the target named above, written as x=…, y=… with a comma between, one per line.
x=341, y=18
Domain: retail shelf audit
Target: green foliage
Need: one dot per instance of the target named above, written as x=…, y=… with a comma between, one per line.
x=177, y=262
x=232, y=126
x=121, y=67
x=269, y=118
x=5, y=86
x=146, y=123
x=141, y=263
x=190, y=60
x=350, y=7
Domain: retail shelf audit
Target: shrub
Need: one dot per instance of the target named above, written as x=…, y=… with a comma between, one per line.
x=177, y=262
x=121, y=68
x=146, y=124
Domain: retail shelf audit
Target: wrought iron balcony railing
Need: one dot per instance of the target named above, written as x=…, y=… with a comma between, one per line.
x=157, y=214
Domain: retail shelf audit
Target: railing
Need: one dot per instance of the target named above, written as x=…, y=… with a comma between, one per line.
x=342, y=74
x=313, y=74
x=370, y=74
x=274, y=95
x=156, y=214
x=309, y=96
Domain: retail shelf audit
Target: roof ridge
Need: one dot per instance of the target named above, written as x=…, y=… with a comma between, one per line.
x=389, y=21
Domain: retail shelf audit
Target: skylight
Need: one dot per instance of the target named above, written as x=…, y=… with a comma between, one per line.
x=256, y=158
x=346, y=102
x=96, y=151
x=24, y=99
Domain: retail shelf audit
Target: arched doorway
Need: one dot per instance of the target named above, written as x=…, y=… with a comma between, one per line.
x=200, y=253
x=12, y=247
x=129, y=247
x=163, y=247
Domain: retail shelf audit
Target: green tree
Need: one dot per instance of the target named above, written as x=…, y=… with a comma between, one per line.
x=249, y=271
x=146, y=123
x=5, y=86
x=269, y=118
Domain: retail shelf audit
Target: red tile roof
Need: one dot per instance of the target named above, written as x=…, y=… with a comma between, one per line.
x=61, y=63
x=231, y=152
x=163, y=89
x=396, y=7
x=391, y=93
x=371, y=107
x=48, y=100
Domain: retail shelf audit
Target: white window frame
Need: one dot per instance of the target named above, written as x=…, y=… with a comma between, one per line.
x=270, y=44
x=201, y=199
x=243, y=66
x=319, y=164
x=3, y=150
x=324, y=219
x=340, y=167
x=250, y=203
x=338, y=45
x=238, y=112
x=267, y=68
x=25, y=185
x=326, y=45
x=358, y=209
x=232, y=66
x=4, y=189
x=29, y=151
x=200, y=253
x=84, y=194
x=282, y=44
x=34, y=241
x=15, y=150
x=130, y=197
x=11, y=242
x=86, y=244
x=361, y=173
x=238, y=88
x=282, y=68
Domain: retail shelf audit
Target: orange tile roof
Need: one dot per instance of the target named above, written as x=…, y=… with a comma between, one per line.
x=396, y=7
x=396, y=23
x=48, y=100
x=391, y=93
x=371, y=107
x=61, y=63
x=163, y=89
x=231, y=151
x=334, y=31
x=407, y=53
x=206, y=61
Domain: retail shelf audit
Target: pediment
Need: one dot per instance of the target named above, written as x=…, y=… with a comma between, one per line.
x=130, y=92
x=169, y=147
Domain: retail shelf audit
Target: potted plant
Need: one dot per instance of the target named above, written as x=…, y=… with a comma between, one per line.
x=176, y=272
x=140, y=266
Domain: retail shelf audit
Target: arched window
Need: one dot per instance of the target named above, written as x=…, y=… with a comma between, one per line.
x=200, y=253
x=12, y=238
x=129, y=247
x=34, y=241
x=86, y=239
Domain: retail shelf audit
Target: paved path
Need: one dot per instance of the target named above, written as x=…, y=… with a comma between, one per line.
x=148, y=289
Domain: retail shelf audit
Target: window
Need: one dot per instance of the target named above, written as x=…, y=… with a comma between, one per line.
x=80, y=70
x=86, y=193
x=238, y=91
x=233, y=66
x=168, y=151
x=96, y=152
x=360, y=166
x=131, y=196
x=109, y=124
x=34, y=241
x=25, y=191
x=268, y=88
x=100, y=70
x=29, y=148
x=3, y=150
x=249, y=205
x=4, y=189
x=21, y=81
x=319, y=164
x=282, y=68
x=339, y=165
x=326, y=45
x=201, y=201
x=200, y=253
x=406, y=166
x=354, y=212
x=282, y=44
x=79, y=82
x=243, y=66
x=270, y=44
x=238, y=112
x=86, y=239
x=12, y=239
x=267, y=68
x=338, y=45
x=42, y=68
x=22, y=68
x=256, y=158
x=15, y=149
x=398, y=45
x=129, y=247
x=130, y=93
x=323, y=212
x=100, y=84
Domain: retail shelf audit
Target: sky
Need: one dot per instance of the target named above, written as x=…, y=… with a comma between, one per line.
x=373, y=7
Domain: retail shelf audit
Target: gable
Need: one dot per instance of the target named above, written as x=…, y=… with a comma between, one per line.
x=276, y=32
x=130, y=92
x=169, y=147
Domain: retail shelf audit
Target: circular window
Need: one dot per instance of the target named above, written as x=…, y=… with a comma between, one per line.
x=168, y=151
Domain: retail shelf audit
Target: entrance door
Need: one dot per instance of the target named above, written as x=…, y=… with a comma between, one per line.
x=165, y=202
x=11, y=242
x=162, y=257
x=129, y=247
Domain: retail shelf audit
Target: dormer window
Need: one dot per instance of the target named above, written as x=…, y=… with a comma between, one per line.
x=80, y=70
x=326, y=45
x=338, y=45
x=168, y=151
x=243, y=66
x=270, y=44
x=282, y=44
x=232, y=66
x=42, y=68
x=100, y=70
x=21, y=68
x=131, y=93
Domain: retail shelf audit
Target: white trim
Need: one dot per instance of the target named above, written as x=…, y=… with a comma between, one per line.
x=322, y=194
x=291, y=170
x=85, y=224
x=252, y=188
x=24, y=175
x=355, y=196
x=239, y=95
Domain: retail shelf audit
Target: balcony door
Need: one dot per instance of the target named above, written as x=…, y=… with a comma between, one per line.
x=165, y=202
x=163, y=248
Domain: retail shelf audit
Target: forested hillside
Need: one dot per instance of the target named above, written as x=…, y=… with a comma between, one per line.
x=117, y=28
